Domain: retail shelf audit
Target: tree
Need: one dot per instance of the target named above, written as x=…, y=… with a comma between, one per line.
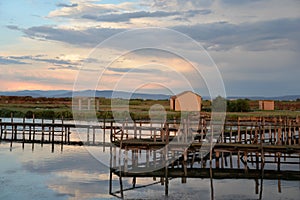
x=219, y=104
x=240, y=105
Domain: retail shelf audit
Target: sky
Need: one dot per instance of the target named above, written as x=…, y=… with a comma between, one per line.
x=53, y=44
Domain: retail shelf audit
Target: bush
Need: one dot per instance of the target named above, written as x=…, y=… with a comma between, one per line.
x=240, y=105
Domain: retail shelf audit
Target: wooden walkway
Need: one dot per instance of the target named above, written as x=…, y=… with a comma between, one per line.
x=153, y=148
x=270, y=134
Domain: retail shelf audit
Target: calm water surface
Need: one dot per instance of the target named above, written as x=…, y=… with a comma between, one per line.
x=75, y=174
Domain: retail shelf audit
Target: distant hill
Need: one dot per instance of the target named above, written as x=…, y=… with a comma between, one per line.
x=276, y=98
x=124, y=95
x=102, y=93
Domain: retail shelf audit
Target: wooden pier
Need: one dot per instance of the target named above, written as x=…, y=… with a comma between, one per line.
x=175, y=149
x=181, y=150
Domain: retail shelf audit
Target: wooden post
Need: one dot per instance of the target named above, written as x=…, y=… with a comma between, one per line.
x=246, y=161
x=279, y=135
x=33, y=133
x=230, y=134
x=88, y=135
x=278, y=161
x=185, y=130
x=294, y=134
x=263, y=133
x=134, y=129
x=140, y=132
x=69, y=132
x=274, y=133
x=5, y=132
x=167, y=181
x=238, y=159
x=151, y=133
x=133, y=182
x=43, y=132
x=298, y=121
x=230, y=160
x=111, y=132
x=222, y=160
x=122, y=135
x=239, y=130
x=185, y=157
x=94, y=135
x=49, y=131
x=154, y=158
x=217, y=159
x=114, y=157
x=289, y=132
x=121, y=185
x=167, y=132
x=104, y=131
x=1, y=131
x=23, y=133
x=256, y=186
x=110, y=180
x=62, y=132
x=53, y=131
x=147, y=157
x=66, y=135
x=222, y=136
x=12, y=130
x=126, y=160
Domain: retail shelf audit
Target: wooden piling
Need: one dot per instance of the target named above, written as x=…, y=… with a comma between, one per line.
x=166, y=181
x=62, y=133
x=88, y=135
x=53, y=132
x=94, y=135
x=33, y=126
x=1, y=130
x=23, y=133
x=12, y=131
x=217, y=159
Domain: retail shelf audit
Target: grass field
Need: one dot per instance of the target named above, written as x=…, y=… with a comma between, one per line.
x=138, y=108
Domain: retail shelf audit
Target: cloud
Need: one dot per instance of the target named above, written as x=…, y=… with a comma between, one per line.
x=67, y=5
x=178, y=4
x=40, y=58
x=86, y=8
x=122, y=17
x=89, y=37
x=9, y=60
x=13, y=27
x=69, y=67
x=239, y=2
x=255, y=36
x=134, y=70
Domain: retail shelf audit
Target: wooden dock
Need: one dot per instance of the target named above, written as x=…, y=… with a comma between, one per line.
x=175, y=149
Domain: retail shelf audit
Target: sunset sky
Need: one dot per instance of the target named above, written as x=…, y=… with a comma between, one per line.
x=254, y=43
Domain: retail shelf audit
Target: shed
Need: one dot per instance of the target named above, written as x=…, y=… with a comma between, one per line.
x=186, y=101
x=266, y=105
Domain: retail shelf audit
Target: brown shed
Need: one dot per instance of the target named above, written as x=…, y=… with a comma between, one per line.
x=186, y=101
x=266, y=105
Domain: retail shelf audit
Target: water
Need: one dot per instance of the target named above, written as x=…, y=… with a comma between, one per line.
x=75, y=174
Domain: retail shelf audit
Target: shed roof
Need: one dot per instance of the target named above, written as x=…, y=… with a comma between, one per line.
x=182, y=93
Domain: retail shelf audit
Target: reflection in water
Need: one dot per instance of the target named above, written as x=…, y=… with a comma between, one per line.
x=75, y=174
